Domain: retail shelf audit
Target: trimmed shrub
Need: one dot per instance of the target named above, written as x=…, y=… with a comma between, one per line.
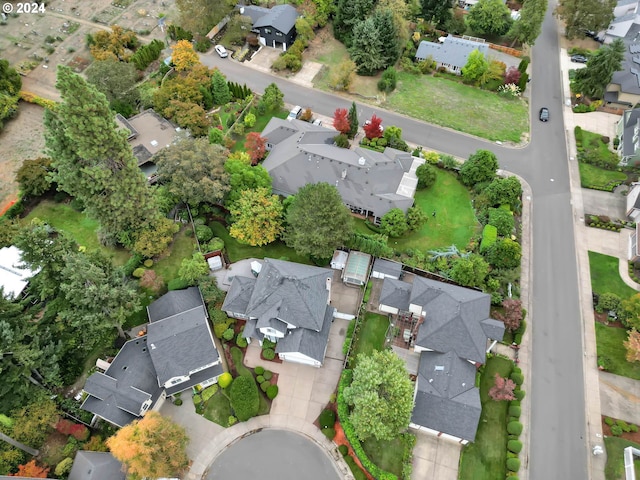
x=514, y=446
x=225, y=380
x=609, y=421
x=633, y=428
x=138, y=272
x=330, y=433
x=519, y=394
x=197, y=399
x=341, y=141
x=344, y=450
x=245, y=399
x=80, y=432
x=514, y=428
x=272, y=392
x=177, y=402
x=259, y=379
x=515, y=411
x=203, y=233
x=64, y=467
x=517, y=377
x=624, y=425
x=616, y=430
x=267, y=374
x=241, y=341
x=269, y=353
x=148, y=263
x=209, y=392
x=264, y=386
x=258, y=370
x=228, y=334
x=513, y=464
x=489, y=237
x=232, y=421
x=327, y=418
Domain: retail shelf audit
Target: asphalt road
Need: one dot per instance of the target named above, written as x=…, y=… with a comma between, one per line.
x=558, y=447
x=273, y=455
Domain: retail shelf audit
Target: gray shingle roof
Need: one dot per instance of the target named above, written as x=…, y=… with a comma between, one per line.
x=196, y=378
x=453, y=51
x=631, y=119
x=96, y=466
x=446, y=399
x=181, y=344
x=308, y=342
x=453, y=316
x=239, y=294
x=309, y=156
x=628, y=78
x=118, y=394
x=493, y=329
x=280, y=17
x=174, y=302
x=395, y=293
x=250, y=330
x=298, y=291
x=387, y=267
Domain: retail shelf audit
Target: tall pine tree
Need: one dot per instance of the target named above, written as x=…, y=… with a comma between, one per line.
x=93, y=161
x=353, y=120
x=388, y=35
x=367, y=48
x=348, y=14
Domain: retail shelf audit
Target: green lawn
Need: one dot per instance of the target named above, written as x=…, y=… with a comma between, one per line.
x=76, y=225
x=599, y=178
x=238, y=251
x=614, y=470
x=218, y=408
x=460, y=107
x=609, y=342
x=371, y=335
x=386, y=454
x=261, y=122
x=454, y=223
x=605, y=276
x=485, y=458
x=181, y=248
x=591, y=140
x=140, y=316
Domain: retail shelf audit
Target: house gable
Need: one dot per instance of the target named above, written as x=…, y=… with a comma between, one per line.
x=96, y=466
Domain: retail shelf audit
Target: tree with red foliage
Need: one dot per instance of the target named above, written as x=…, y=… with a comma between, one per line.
x=64, y=426
x=79, y=432
x=502, y=389
x=341, y=120
x=512, y=75
x=256, y=147
x=373, y=128
x=31, y=470
x=512, y=315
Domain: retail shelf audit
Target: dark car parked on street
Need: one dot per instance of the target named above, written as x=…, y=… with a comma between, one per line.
x=544, y=114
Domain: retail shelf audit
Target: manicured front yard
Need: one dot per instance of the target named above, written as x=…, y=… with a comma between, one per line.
x=76, y=225
x=614, y=470
x=599, y=178
x=218, y=409
x=609, y=342
x=605, y=276
x=386, y=454
x=371, y=335
x=485, y=458
x=238, y=251
x=460, y=107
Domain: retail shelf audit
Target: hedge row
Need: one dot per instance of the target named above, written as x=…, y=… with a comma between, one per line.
x=343, y=414
x=489, y=237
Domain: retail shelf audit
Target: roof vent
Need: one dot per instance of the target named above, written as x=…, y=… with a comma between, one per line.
x=362, y=161
x=344, y=174
x=439, y=368
x=431, y=380
x=153, y=347
x=154, y=143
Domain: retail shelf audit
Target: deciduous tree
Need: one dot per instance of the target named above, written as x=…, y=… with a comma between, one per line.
x=243, y=176
x=503, y=220
x=118, y=44
x=512, y=315
x=502, y=389
x=272, y=99
x=31, y=470
x=153, y=446
x=373, y=128
x=93, y=160
x=317, y=221
x=257, y=217
x=200, y=16
x=191, y=269
x=481, y=166
x=437, y=11
x=183, y=56
x=629, y=312
x=156, y=240
x=476, y=67
x=512, y=75
x=256, y=146
x=342, y=75
x=381, y=396
x=341, y=120
x=489, y=17
x=581, y=15
x=394, y=223
x=193, y=171
x=416, y=218
x=505, y=253
x=426, y=175
x=632, y=344
x=504, y=191
x=469, y=271
x=528, y=26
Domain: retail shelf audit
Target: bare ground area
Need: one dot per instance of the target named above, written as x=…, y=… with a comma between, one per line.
x=21, y=139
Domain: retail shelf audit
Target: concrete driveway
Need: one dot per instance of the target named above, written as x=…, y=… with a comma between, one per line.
x=435, y=458
x=620, y=397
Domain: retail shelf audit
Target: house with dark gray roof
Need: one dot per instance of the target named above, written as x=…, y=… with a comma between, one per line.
x=383, y=268
x=276, y=26
x=454, y=329
x=177, y=353
x=96, y=466
x=624, y=89
x=370, y=183
x=288, y=304
x=446, y=400
x=628, y=131
x=452, y=53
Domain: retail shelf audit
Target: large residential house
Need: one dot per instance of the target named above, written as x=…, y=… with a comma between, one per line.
x=370, y=183
x=288, y=303
x=177, y=353
x=628, y=131
x=275, y=26
x=452, y=53
x=14, y=274
x=452, y=338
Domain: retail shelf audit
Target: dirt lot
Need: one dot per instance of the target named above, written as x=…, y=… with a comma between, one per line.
x=36, y=43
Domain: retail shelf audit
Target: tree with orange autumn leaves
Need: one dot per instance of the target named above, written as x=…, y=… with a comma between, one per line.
x=153, y=447
x=183, y=56
x=31, y=470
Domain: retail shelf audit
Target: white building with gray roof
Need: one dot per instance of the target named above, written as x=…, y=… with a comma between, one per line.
x=452, y=53
x=370, y=183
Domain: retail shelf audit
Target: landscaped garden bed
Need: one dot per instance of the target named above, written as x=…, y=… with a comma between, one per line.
x=606, y=223
x=599, y=166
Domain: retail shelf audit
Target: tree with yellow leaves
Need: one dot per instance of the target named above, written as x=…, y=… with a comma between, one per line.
x=183, y=56
x=117, y=44
x=153, y=447
x=257, y=217
x=633, y=346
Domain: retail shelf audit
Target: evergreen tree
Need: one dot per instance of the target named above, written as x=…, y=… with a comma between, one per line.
x=437, y=11
x=594, y=78
x=220, y=89
x=527, y=28
x=94, y=161
x=367, y=48
x=388, y=36
x=353, y=120
x=348, y=14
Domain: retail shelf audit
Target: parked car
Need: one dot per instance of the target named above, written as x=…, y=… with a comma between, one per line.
x=317, y=122
x=295, y=112
x=579, y=59
x=221, y=51
x=544, y=114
